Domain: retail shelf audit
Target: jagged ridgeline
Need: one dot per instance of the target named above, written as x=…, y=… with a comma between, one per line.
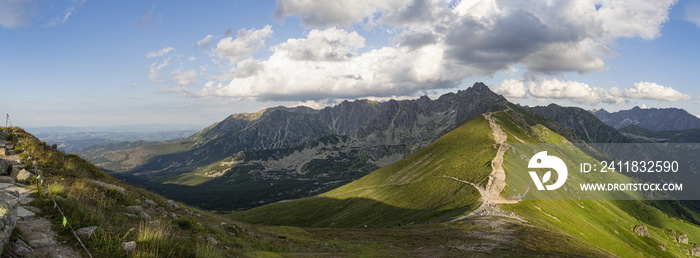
x=439, y=183
x=280, y=153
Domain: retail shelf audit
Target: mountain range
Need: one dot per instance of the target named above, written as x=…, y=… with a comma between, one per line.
x=279, y=153
x=251, y=159
x=408, y=178
x=650, y=118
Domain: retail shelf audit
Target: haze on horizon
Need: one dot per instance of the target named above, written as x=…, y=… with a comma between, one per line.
x=97, y=63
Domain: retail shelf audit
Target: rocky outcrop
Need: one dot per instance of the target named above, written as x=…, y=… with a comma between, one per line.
x=641, y=230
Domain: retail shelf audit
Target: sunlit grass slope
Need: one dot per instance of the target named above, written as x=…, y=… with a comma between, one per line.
x=603, y=223
x=411, y=190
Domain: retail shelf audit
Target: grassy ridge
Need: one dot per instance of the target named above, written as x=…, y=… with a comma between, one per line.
x=604, y=223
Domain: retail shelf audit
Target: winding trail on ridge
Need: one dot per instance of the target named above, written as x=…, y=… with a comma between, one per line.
x=491, y=194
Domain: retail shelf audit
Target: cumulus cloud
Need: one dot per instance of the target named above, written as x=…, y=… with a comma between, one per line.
x=205, y=41
x=185, y=77
x=16, y=13
x=575, y=91
x=324, y=13
x=159, y=53
x=650, y=90
x=437, y=44
x=332, y=44
x=319, y=66
x=247, y=42
x=634, y=18
x=511, y=88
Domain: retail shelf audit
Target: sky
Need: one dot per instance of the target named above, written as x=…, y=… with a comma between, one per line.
x=106, y=63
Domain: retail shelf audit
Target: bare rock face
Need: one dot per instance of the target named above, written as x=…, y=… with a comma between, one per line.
x=641, y=230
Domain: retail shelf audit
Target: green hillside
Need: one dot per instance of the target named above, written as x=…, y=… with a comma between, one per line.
x=398, y=193
x=420, y=189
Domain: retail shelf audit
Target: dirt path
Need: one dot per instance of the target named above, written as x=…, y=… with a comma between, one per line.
x=491, y=194
x=497, y=179
x=37, y=239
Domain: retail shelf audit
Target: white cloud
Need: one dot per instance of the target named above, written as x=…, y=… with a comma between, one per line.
x=511, y=88
x=60, y=20
x=650, y=90
x=575, y=91
x=436, y=46
x=155, y=68
x=247, y=42
x=16, y=13
x=319, y=67
x=159, y=53
x=205, y=41
x=185, y=77
x=331, y=44
x=634, y=18
x=324, y=13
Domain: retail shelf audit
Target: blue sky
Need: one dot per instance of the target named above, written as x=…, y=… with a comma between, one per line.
x=103, y=63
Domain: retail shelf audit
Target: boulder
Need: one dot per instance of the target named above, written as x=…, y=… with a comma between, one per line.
x=212, y=240
x=641, y=230
x=24, y=175
x=109, y=186
x=145, y=215
x=129, y=246
x=21, y=249
x=87, y=231
x=171, y=205
x=134, y=209
x=150, y=203
x=3, y=151
x=5, y=167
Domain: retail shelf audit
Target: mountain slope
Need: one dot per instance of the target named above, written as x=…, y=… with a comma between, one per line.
x=440, y=182
x=394, y=194
x=650, y=118
x=582, y=123
x=641, y=134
